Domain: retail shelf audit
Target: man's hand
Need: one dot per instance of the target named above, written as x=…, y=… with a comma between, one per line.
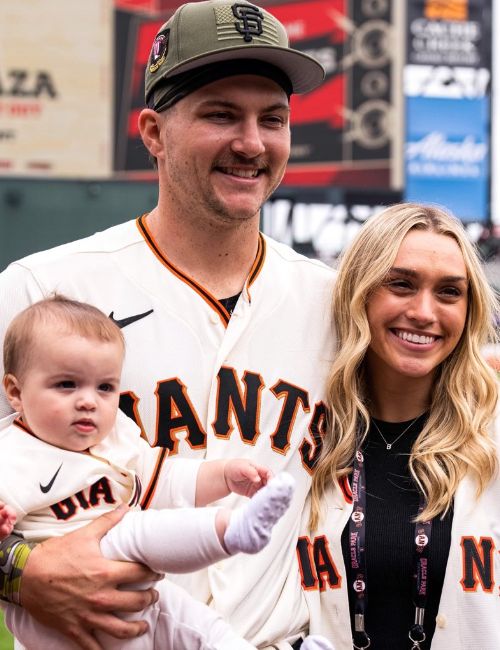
x=68, y=585
x=7, y=520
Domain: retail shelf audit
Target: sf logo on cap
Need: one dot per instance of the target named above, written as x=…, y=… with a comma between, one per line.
x=251, y=21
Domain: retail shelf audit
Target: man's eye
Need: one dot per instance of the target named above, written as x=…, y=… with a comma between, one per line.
x=219, y=115
x=274, y=120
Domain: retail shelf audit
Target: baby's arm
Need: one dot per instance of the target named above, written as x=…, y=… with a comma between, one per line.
x=7, y=520
x=218, y=478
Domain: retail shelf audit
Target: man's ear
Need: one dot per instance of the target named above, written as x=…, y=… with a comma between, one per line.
x=12, y=389
x=150, y=123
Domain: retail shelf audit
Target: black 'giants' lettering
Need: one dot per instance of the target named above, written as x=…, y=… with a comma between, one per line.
x=176, y=413
x=293, y=396
x=246, y=408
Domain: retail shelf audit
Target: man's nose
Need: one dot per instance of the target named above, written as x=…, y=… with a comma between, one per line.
x=248, y=141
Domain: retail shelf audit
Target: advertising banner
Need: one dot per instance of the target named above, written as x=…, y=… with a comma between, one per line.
x=453, y=33
x=447, y=84
x=447, y=154
x=56, y=88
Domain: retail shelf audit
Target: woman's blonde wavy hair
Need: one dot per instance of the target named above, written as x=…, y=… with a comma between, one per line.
x=456, y=438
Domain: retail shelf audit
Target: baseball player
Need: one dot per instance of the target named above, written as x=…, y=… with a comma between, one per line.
x=228, y=333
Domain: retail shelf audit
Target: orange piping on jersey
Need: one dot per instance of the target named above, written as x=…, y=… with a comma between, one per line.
x=18, y=422
x=258, y=263
x=150, y=490
x=207, y=297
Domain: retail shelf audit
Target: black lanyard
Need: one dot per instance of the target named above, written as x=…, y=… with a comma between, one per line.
x=358, y=575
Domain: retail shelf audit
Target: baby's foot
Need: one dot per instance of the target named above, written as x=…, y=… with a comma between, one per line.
x=316, y=642
x=250, y=527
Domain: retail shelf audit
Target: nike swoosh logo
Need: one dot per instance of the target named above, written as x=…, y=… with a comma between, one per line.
x=46, y=488
x=123, y=322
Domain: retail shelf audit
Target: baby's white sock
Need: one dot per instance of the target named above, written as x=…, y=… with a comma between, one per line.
x=316, y=642
x=250, y=527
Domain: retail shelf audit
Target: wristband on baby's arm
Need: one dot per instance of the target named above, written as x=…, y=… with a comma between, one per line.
x=14, y=553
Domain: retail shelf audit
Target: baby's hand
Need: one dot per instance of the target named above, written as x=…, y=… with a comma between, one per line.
x=7, y=520
x=245, y=477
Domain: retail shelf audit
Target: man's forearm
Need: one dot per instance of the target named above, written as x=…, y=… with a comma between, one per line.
x=14, y=553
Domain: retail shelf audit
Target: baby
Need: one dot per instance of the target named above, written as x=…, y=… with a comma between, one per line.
x=68, y=455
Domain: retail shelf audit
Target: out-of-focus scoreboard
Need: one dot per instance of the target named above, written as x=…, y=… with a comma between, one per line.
x=404, y=112
x=348, y=131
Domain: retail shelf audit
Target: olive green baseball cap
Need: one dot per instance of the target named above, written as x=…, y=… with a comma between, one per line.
x=216, y=31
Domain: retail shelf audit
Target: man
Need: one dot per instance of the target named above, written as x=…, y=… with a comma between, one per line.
x=227, y=332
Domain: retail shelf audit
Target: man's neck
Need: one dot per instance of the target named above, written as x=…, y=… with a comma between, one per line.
x=219, y=259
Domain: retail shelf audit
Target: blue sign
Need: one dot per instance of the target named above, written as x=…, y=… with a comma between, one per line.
x=447, y=154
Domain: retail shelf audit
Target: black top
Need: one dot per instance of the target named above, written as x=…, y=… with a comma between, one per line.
x=392, y=502
x=230, y=303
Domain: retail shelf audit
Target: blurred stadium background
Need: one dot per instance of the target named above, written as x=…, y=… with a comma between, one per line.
x=407, y=112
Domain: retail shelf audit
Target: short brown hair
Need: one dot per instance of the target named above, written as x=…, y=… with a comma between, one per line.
x=64, y=313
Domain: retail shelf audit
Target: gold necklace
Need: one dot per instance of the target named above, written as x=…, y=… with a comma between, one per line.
x=390, y=444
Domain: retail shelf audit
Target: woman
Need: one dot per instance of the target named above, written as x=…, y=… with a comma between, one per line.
x=405, y=508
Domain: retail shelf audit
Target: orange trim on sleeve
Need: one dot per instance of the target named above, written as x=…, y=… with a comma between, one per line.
x=151, y=488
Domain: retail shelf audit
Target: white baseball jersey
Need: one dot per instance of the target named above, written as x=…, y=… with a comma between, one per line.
x=55, y=491
x=205, y=385
x=469, y=609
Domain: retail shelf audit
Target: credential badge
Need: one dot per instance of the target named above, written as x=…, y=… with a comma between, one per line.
x=359, y=586
x=159, y=51
x=421, y=540
x=249, y=20
x=357, y=517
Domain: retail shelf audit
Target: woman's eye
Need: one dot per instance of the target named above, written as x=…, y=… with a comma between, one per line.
x=451, y=292
x=398, y=284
